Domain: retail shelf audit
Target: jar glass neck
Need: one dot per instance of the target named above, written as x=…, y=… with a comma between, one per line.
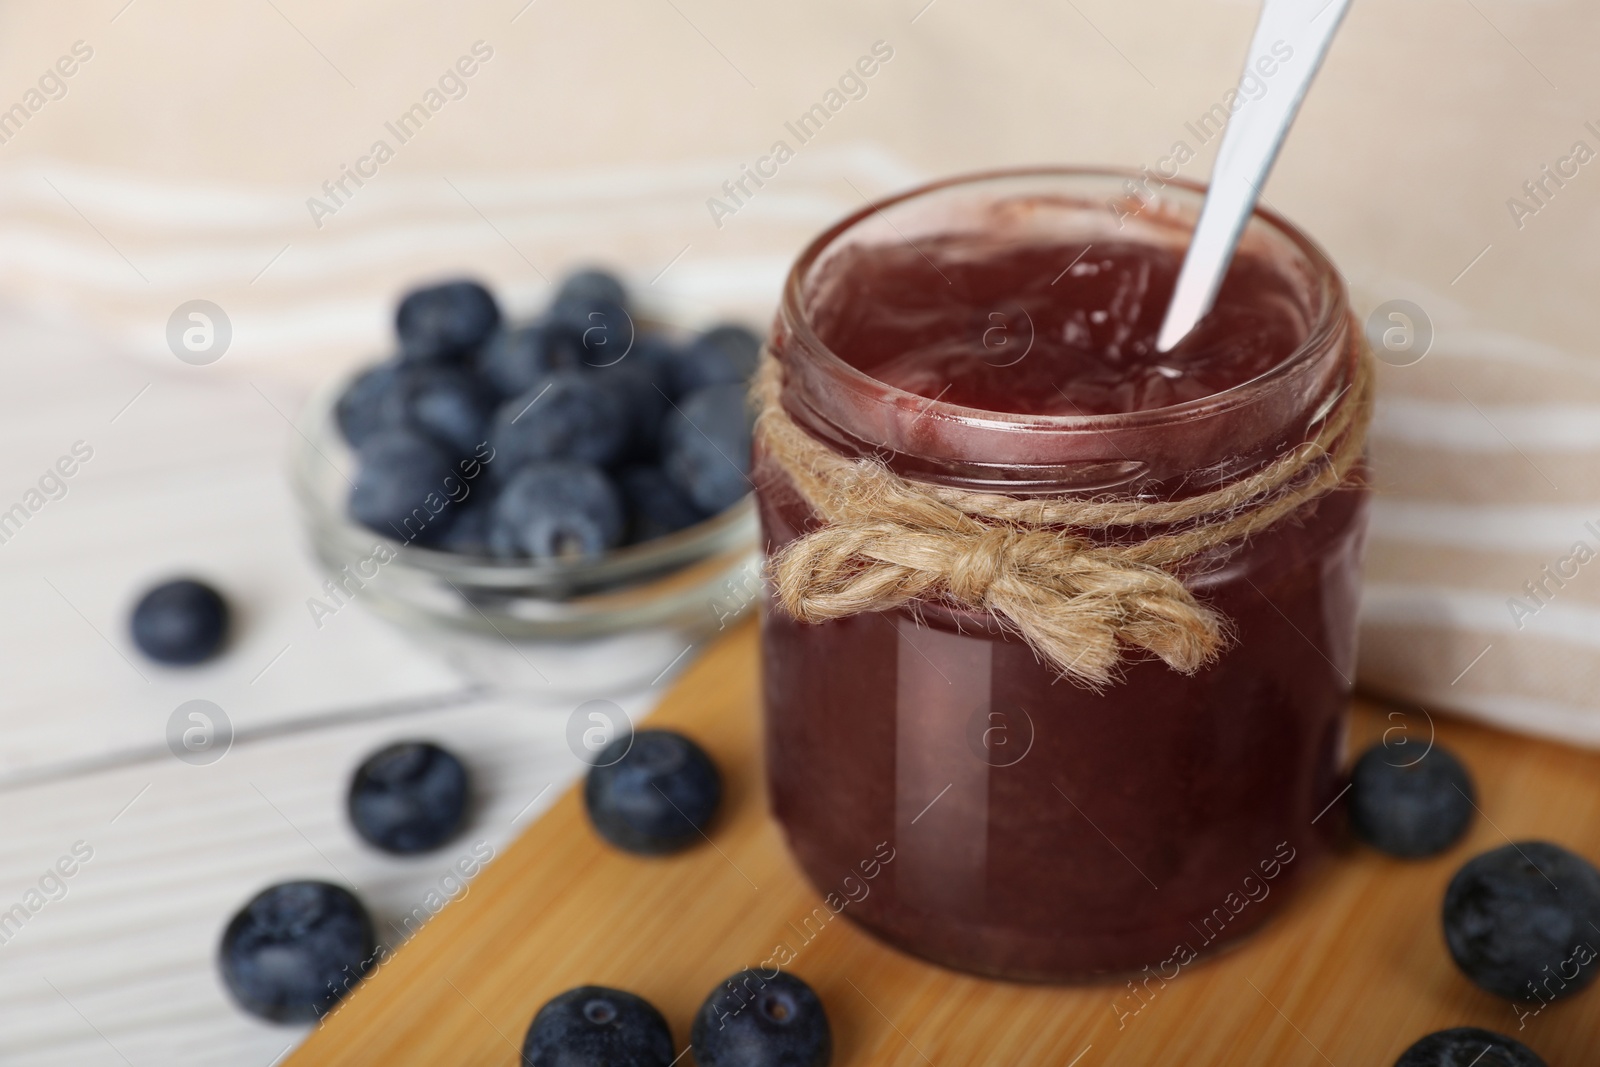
x=1163, y=451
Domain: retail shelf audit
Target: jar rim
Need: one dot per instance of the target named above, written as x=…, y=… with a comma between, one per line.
x=1330, y=316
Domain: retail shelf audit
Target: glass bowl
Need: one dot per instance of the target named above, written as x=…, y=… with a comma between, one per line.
x=611, y=623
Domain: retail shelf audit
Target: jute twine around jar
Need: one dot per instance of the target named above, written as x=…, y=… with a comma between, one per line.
x=882, y=541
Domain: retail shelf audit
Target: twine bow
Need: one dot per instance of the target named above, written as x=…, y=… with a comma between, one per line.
x=882, y=541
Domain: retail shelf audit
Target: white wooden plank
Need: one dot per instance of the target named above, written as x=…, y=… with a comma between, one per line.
x=131, y=944
x=191, y=478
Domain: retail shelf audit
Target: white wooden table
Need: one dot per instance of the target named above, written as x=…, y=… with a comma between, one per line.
x=116, y=964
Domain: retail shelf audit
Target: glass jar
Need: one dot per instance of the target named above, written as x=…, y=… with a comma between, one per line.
x=1038, y=829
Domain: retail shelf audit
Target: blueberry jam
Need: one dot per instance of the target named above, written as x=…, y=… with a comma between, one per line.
x=997, y=334
x=1047, y=328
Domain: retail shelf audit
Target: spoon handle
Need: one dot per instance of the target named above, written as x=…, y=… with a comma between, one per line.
x=1302, y=30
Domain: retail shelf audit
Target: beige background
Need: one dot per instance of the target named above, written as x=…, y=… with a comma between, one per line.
x=1427, y=117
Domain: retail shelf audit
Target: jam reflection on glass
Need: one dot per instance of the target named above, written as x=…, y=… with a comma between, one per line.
x=1041, y=830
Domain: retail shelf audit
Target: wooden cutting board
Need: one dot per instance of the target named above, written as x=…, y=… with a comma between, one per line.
x=1351, y=973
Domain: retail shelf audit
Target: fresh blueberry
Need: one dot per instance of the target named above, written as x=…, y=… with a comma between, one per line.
x=468, y=534
x=401, y=489
x=592, y=1026
x=515, y=361
x=656, y=507
x=445, y=322
x=740, y=342
x=723, y=355
x=644, y=406
x=656, y=358
x=570, y=415
x=761, y=1019
x=180, y=622
x=445, y=402
x=591, y=287
x=367, y=405
x=1410, y=808
x=408, y=797
x=449, y=404
x=652, y=792
x=605, y=331
x=295, y=949
x=1520, y=921
x=1468, y=1046
x=556, y=510
x=705, y=446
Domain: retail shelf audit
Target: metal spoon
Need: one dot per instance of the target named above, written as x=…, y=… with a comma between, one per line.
x=1250, y=145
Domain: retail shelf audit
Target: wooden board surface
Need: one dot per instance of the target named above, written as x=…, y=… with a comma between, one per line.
x=1350, y=973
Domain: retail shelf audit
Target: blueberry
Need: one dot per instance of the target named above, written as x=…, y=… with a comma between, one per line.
x=605, y=331
x=705, y=446
x=1410, y=808
x=761, y=1019
x=1468, y=1046
x=445, y=322
x=367, y=405
x=740, y=342
x=656, y=507
x=590, y=287
x=441, y=401
x=401, y=490
x=514, y=361
x=295, y=949
x=644, y=406
x=180, y=622
x=1521, y=921
x=468, y=534
x=556, y=510
x=723, y=355
x=570, y=415
x=652, y=792
x=592, y=1026
x=408, y=797
x=448, y=404
x=656, y=359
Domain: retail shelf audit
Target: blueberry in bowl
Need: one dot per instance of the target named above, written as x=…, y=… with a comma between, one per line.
x=366, y=405
x=655, y=505
x=590, y=286
x=580, y=474
x=722, y=355
x=705, y=446
x=566, y=414
x=447, y=322
x=295, y=949
x=585, y=381
x=556, y=510
x=515, y=358
x=401, y=472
